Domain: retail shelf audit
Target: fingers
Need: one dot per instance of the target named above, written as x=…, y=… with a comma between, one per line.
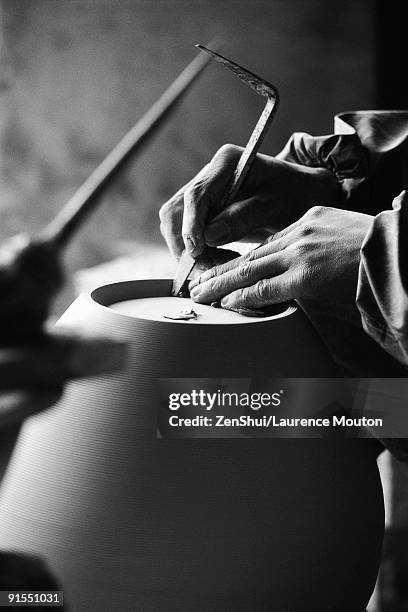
x=245, y=275
x=185, y=216
x=276, y=244
x=58, y=358
x=206, y=194
x=264, y=292
x=171, y=217
x=266, y=275
x=171, y=232
x=17, y=405
x=210, y=257
x=218, y=270
x=196, y=206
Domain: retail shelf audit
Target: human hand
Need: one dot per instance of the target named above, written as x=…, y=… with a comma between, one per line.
x=317, y=257
x=30, y=277
x=32, y=375
x=274, y=194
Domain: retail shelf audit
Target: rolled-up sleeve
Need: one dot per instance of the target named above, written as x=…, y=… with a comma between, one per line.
x=343, y=154
x=382, y=292
x=368, y=154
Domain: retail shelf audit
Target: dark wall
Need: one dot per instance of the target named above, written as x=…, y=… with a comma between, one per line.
x=391, y=84
x=75, y=75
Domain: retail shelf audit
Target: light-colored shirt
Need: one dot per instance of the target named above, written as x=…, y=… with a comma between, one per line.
x=368, y=153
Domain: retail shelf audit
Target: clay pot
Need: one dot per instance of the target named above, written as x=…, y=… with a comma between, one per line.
x=133, y=523
x=8, y=438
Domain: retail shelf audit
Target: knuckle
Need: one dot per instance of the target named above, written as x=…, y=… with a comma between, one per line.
x=301, y=250
x=210, y=274
x=245, y=271
x=190, y=192
x=227, y=153
x=262, y=289
x=194, y=192
x=275, y=236
x=316, y=211
x=306, y=230
x=248, y=257
x=305, y=269
x=302, y=276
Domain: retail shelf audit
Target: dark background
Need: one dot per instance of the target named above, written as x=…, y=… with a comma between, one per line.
x=391, y=86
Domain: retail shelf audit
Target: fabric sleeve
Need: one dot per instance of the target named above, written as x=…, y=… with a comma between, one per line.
x=343, y=154
x=382, y=292
x=369, y=156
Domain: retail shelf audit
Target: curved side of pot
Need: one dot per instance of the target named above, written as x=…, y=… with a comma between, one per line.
x=129, y=522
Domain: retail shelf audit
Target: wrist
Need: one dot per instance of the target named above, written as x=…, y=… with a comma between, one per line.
x=323, y=188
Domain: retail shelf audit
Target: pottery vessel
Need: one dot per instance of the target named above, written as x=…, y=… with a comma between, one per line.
x=8, y=438
x=130, y=522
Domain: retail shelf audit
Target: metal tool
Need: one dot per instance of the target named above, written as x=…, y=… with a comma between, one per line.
x=184, y=269
x=263, y=88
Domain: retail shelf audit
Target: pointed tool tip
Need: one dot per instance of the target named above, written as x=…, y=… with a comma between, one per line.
x=202, y=48
x=215, y=43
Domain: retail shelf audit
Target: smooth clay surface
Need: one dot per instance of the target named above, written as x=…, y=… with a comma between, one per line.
x=156, y=309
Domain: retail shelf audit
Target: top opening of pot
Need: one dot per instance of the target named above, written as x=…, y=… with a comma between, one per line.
x=150, y=300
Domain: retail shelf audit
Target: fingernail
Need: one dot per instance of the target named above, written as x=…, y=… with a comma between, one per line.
x=97, y=356
x=226, y=302
x=217, y=232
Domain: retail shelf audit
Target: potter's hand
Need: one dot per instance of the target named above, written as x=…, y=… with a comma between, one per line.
x=32, y=375
x=274, y=194
x=317, y=257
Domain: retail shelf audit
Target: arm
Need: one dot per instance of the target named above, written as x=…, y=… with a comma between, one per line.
x=382, y=293
x=275, y=194
x=369, y=157
x=35, y=363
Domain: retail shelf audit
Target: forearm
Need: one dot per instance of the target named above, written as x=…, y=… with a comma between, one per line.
x=324, y=189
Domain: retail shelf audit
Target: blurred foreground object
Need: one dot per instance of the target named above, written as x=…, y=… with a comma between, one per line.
x=30, y=272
